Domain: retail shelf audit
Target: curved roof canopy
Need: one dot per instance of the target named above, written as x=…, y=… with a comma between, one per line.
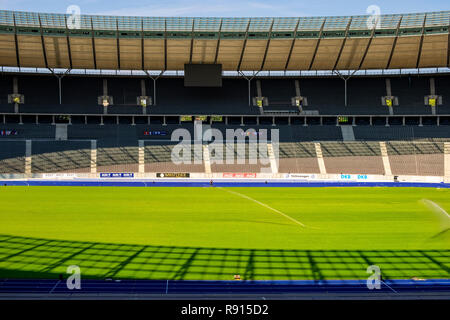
x=419, y=40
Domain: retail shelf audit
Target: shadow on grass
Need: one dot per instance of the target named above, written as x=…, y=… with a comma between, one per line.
x=26, y=257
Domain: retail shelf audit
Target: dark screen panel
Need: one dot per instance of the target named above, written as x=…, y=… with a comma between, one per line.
x=203, y=75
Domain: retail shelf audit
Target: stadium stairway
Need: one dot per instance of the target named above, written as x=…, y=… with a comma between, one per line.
x=273, y=158
x=447, y=161
x=385, y=157
x=61, y=132
x=206, y=159
x=347, y=133
x=320, y=160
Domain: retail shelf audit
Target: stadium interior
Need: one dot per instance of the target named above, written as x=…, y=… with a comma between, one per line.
x=345, y=122
x=338, y=107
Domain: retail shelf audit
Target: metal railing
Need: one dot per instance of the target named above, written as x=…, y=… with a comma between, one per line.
x=287, y=24
x=180, y=73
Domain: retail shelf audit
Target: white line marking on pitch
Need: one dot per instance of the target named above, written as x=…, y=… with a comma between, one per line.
x=436, y=206
x=265, y=206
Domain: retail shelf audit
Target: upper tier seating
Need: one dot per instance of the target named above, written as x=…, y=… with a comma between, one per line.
x=325, y=95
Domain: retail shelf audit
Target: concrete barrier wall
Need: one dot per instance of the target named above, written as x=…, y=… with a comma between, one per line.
x=299, y=177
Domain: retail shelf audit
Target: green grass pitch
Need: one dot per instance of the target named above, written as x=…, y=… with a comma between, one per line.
x=214, y=233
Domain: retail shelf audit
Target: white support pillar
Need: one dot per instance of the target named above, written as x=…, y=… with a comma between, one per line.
x=28, y=157
x=432, y=87
x=141, y=156
x=15, y=85
x=93, y=156
x=16, y=91
x=389, y=94
x=388, y=87
x=144, y=94
x=143, y=88
x=297, y=88
x=433, y=93
x=105, y=93
x=258, y=88
x=385, y=157
x=320, y=160
x=447, y=161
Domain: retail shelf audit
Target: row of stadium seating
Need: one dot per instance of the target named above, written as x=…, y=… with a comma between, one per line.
x=123, y=133
x=406, y=157
x=325, y=95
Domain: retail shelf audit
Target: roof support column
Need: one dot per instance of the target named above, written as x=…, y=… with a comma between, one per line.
x=249, y=85
x=345, y=78
x=59, y=77
x=154, y=84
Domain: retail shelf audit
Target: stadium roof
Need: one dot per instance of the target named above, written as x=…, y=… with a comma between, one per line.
x=41, y=40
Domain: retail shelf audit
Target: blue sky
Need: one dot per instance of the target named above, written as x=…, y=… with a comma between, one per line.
x=226, y=8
